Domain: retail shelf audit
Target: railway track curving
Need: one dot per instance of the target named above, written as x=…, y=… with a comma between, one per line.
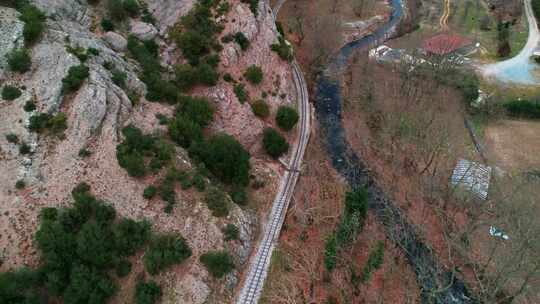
x=260, y=262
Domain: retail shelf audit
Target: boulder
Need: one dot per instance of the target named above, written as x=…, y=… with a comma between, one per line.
x=115, y=41
x=143, y=31
x=168, y=12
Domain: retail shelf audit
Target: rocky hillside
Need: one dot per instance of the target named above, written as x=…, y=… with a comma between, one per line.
x=77, y=139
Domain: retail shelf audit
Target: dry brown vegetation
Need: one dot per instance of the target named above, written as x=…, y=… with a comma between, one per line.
x=297, y=273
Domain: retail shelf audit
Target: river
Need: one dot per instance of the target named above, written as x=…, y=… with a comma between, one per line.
x=429, y=272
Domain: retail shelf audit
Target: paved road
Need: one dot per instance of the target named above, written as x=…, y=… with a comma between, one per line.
x=519, y=69
x=260, y=262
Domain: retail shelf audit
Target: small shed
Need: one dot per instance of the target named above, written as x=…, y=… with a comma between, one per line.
x=473, y=177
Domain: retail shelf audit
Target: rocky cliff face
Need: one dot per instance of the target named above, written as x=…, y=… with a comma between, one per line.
x=95, y=114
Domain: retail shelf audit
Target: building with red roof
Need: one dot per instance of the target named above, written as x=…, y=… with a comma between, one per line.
x=444, y=44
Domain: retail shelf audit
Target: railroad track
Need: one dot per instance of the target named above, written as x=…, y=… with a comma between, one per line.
x=259, y=264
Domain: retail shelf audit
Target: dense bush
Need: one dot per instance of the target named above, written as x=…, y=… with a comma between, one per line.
x=330, y=253
x=286, y=117
x=231, y=232
x=137, y=147
x=75, y=77
x=12, y=138
x=217, y=202
x=29, y=106
x=188, y=76
x=536, y=8
x=24, y=148
x=218, y=263
x=107, y=25
x=196, y=32
x=78, y=246
x=131, y=7
x=240, y=92
x=165, y=251
x=147, y=292
x=149, y=192
x=260, y=109
x=19, y=60
x=197, y=109
x=242, y=40
x=283, y=49
x=34, y=22
x=253, y=6
x=464, y=80
x=119, y=78
x=238, y=195
x=274, y=144
x=184, y=131
x=192, y=115
x=158, y=89
x=523, y=108
x=254, y=74
x=374, y=262
x=351, y=223
x=225, y=157
x=41, y=122
x=10, y=92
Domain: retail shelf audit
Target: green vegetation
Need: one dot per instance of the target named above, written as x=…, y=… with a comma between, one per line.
x=34, y=22
x=283, y=49
x=12, y=138
x=147, y=292
x=242, y=40
x=188, y=76
x=523, y=108
x=75, y=77
x=149, y=192
x=225, y=157
x=119, y=78
x=231, y=232
x=330, y=253
x=253, y=6
x=19, y=60
x=79, y=247
x=217, y=202
x=374, y=262
x=158, y=89
x=10, y=92
x=260, y=109
x=133, y=152
x=254, y=74
x=218, y=263
x=29, y=106
x=286, y=117
x=196, y=32
x=20, y=184
x=536, y=8
x=41, y=122
x=274, y=144
x=192, y=115
x=107, y=25
x=240, y=92
x=25, y=149
x=120, y=9
x=352, y=223
x=238, y=195
x=123, y=268
x=165, y=251
x=84, y=152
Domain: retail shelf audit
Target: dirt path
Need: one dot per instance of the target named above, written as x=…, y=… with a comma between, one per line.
x=446, y=14
x=519, y=69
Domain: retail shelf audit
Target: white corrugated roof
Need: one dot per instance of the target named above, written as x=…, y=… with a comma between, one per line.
x=472, y=176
